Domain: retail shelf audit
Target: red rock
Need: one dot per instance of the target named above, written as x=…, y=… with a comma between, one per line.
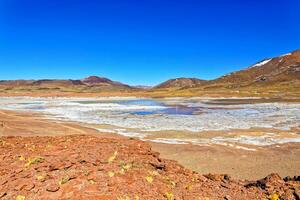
x=2, y=194
x=80, y=163
x=3, y=181
x=52, y=187
x=29, y=186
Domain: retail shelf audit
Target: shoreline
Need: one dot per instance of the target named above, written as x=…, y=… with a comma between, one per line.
x=227, y=93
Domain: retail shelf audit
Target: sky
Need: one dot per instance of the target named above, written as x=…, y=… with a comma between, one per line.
x=142, y=42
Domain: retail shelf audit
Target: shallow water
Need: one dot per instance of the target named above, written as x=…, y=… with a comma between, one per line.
x=181, y=114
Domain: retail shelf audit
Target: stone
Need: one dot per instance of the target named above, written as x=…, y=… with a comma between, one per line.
x=52, y=187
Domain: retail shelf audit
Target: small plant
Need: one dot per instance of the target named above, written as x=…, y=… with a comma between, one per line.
x=49, y=146
x=111, y=174
x=153, y=173
x=169, y=181
x=35, y=160
x=123, y=198
x=22, y=158
x=274, y=197
x=169, y=196
x=127, y=167
x=64, y=180
x=40, y=178
x=172, y=183
x=113, y=157
x=149, y=179
x=188, y=187
x=20, y=197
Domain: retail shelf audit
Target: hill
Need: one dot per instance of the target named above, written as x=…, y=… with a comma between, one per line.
x=280, y=70
x=101, y=81
x=181, y=83
x=90, y=84
x=271, y=77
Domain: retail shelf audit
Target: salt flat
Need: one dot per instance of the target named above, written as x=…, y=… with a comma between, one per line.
x=187, y=120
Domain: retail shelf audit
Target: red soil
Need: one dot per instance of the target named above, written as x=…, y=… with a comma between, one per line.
x=89, y=167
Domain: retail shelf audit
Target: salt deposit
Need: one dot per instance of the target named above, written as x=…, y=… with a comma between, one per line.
x=167, y=114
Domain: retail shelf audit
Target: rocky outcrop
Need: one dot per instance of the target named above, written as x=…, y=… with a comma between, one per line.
x=89, y=167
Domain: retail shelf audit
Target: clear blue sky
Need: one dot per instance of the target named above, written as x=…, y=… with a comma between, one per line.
x=142, y=41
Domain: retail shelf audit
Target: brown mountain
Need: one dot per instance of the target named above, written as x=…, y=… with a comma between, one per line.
x=180, y=83
x=284, y=69
x=56, y=83
x=90, y=84
x=40, y=83
x=274, y=76
x=13, y=83
x=95, y=80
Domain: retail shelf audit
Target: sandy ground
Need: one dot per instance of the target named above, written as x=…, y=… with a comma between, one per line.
x=283, y=159
x=242, y=164
x=32, y=124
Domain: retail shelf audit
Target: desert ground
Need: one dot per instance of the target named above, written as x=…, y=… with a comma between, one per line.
x=219, y=159
x=48, y=159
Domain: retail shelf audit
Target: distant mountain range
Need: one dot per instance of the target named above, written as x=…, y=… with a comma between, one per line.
x=91, y=81
x=92, y=84
x=282, y=71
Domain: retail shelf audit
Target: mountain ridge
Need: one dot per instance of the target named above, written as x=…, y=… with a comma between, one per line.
x=279, y=73
x=284, y=68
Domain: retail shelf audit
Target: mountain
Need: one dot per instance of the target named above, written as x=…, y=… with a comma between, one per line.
x=92, y=84
x=276, y=76
x=284, y=69
x=56, y=83
x=180, y=83
x=95, y=80
x=12, y=83
x=271, y=77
